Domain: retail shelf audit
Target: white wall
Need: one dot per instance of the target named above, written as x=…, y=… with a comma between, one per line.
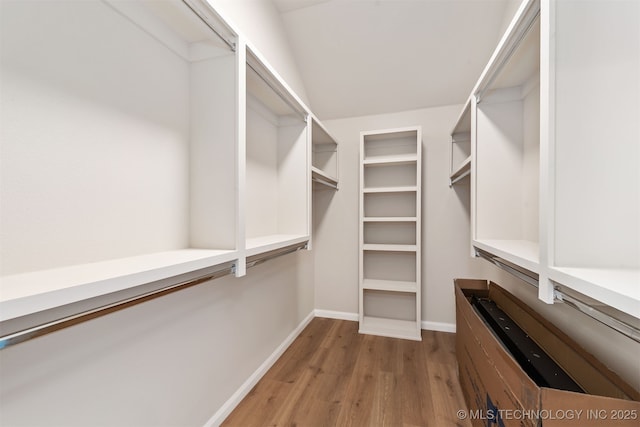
x=445, y=241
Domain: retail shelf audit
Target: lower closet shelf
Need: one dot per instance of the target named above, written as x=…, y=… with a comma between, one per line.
x=394, y=328
x=389, y=285
x=262, y=244
x=27, y=293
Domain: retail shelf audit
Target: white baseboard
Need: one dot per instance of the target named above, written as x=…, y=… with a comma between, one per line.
x=438, y=326
x=340, y=315
x=245, y=388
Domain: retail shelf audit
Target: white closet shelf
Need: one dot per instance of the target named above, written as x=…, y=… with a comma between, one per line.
x=27, y=293
x=262, y=244
x=389, y=219
x=406, y=189
x=461, y=171
x=523, y=253
x=390, y=328
x=389, y=248
x=618, y=288
x=321, y=177
x=398, y=159
x=389, y=285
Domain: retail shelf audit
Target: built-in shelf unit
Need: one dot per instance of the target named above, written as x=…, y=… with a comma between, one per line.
x=460, y=164
x=551, y=196
x=324, y=158
x=390, y=230
x=166, y=149
x=277, y=187
x=126, y=178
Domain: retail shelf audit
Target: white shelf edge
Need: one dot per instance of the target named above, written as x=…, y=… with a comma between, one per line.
x=28, y=293
x=461, y=171
x=617, y=288
x=321, y=177
x=389, y=219
x=405, y=329
x=523, y=253
x=262, y=244
x=407, y=189
x=389, y=285
x=389, y=247
x=399, y=159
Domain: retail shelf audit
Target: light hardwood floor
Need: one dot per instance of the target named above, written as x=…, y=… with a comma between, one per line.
x=333, y=376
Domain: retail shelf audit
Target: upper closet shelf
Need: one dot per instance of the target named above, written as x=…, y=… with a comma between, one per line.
x=28, y=293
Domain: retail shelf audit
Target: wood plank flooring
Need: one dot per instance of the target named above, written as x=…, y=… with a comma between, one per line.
x=333, y=376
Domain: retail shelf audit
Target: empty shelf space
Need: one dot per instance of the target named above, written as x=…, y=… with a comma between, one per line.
x=406, y=329
x=390, y=248
x=390, y=219
x=261, y=244
x=405, y=189
x=27, y=293
x=399, y=159
x=389, y=285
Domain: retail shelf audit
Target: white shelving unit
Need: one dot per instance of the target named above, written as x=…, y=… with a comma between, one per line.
x=390, y=230
x=113, y=174
x=594, y=209
x=324, y=157
x=460, y=164
x=551, y=193
x=277, y=188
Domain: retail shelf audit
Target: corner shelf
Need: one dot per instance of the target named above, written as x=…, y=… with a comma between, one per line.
x=389, y=248
x=407, y=189
x=461, y=152
x=324, y=157
x=389, y=285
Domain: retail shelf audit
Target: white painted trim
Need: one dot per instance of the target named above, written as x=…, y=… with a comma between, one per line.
x=438, y=326
x=340, y=315
x=226, y=409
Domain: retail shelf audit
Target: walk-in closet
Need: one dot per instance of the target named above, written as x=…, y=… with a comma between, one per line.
x=319, y=213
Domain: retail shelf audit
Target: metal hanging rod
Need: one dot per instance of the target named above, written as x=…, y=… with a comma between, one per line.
x=526, y=23
x=300, y=112
x=630, y=331
x=519, y=272
x=64, y=322
x=206, y=18
x=252, y=261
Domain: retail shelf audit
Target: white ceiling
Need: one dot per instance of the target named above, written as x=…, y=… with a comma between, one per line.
x=361, y=57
